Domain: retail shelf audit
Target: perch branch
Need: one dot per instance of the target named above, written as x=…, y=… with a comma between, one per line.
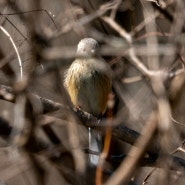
x=122, y=132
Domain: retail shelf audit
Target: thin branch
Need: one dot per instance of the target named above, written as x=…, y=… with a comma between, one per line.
x=15, y=48
x=132, y=79
x=140, y=26
x=48, y=13
x=145, y=181
x=25, y=38
x=17, y=137
x=177, y=122
x=179, y=149
x=123, y=173
x=118, y=28
x=135, y=60
x=115, y=8
x=84, y=20
x=151, y=42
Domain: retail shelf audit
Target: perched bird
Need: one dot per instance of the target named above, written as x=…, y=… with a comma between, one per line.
x=88, y=83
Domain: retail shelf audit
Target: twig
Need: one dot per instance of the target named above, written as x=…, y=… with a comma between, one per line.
x=178, y=24
x=84, y=20
x=132, y=79
x=7, y=94
x=15, y=48
x=158, y=3
x=135, y=61
x=17, y=137
x=151, y=42
x=118, y=28
x=121, y=132
x=179, y=149
x=145, y=181
x=157, y=78
x=48, y=13
x=163, y=9
x=115, y=8
x=123, y=173
x=177, y=122
x=66, y=53
x=25, y=38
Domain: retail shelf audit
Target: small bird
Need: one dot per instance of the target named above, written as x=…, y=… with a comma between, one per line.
x=88, y=83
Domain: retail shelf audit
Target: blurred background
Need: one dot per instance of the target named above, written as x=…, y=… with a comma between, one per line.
x=42, y=140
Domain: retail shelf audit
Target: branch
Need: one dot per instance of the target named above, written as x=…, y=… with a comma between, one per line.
x=124, y=171
x=122, y=132
x=135, y=60
x=15, y=48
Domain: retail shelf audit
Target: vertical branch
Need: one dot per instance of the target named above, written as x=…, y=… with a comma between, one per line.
x=157, y=79
x=178, y=22
x=19, y=121
x=153, y=61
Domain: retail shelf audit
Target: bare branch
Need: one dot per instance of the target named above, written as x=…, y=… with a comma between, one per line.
x=123, y=173
x=16, y=51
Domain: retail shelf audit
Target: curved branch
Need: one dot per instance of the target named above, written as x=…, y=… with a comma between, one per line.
x=15, y=48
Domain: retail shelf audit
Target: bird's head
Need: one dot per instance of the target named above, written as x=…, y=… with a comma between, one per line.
x=87, y=46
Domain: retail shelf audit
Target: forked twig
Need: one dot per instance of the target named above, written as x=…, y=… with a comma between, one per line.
x=134, y=59
x=179, y=149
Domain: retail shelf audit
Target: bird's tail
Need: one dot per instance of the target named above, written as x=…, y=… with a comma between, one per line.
x=95, y=144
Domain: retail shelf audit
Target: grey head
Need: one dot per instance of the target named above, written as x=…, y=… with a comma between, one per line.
x=87, y=46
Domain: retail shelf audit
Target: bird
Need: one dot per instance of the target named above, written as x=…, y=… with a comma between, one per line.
x=88, y=82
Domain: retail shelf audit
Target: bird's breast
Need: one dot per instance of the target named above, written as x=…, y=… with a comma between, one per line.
x=88, y=84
